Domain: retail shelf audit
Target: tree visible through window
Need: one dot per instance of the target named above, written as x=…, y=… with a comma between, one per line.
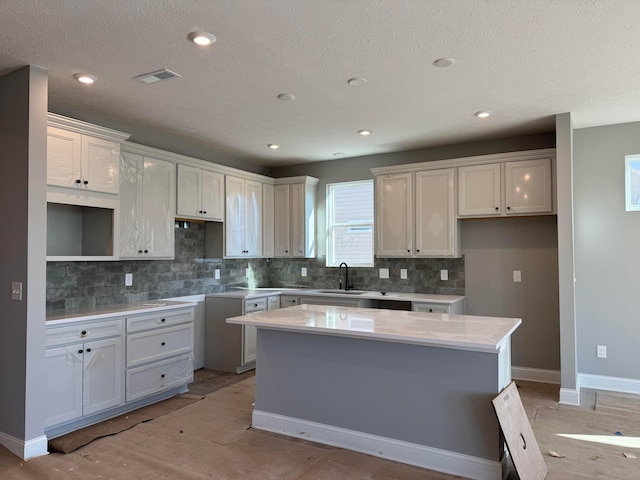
x=350, y=223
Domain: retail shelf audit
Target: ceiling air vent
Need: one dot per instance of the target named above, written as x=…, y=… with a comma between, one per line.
x=155, y=77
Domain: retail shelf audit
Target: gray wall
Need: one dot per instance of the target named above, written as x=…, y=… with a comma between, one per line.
x=23, y=110
x=607, y=252
x=493, y=248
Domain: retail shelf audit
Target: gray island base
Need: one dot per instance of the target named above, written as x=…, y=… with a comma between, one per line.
x=407, y=386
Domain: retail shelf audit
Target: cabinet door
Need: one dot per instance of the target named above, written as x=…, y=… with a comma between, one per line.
x=268, y=221
x=273, y=303
x=435, y=216
x=282, y=230
x=298, y=220
x=212, y=195
x=253, y=218
x=528, y=187
x=189, y=197
x=64, y=152
x=158, y=215
x=394, y=215
x=100, y=165
x=103, y=377
x=130, y=205
x=479, y=190
x=249, y=337
x=234, y=217
x=64, y=384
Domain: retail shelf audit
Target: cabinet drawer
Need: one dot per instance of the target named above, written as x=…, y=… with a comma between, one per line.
x=158, y=344
x=430, y=308
x=258, y=305
x=159, y=376
x=82, y=331
x=158, y=319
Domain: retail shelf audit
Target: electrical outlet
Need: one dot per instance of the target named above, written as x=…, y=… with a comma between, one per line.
x=303, y=271
x=384, y=273
x=216, y=274
x=128, y=279
x=16, y=291
x=247, y=272
x=403, y=273
x=517, y=276
x=601, y=351
x=444, y=274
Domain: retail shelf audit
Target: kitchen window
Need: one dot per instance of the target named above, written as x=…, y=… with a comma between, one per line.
x=350, y=223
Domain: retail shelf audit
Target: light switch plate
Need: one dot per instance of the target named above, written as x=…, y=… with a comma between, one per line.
x=384, y=273
x=216, y=274
x=444, y=274
x=16, y=291
x=128, y=279
x=601, y=351
x=517, y=276
x=303, y=271
x=403, y=273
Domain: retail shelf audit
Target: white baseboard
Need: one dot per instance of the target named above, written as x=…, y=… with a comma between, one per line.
x=614, y=384
x=570, y=396
x=405, y=452
x=25, y=449
x=535, y=375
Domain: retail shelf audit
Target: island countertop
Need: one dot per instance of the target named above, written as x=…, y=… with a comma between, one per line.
x=463, y=332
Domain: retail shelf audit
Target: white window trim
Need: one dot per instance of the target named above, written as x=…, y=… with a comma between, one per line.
x=632, y=205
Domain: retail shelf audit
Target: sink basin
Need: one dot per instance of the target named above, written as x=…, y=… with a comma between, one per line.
x=340, y=292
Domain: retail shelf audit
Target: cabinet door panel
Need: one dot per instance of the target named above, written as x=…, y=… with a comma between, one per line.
x=64, y=384
x=479, y=190
x=528, y=187
x=103, y=379
x=100, y=165
x=212, y=195
x=298, y=229
x=158, y=199
x=435, y=217
x=394, y=214
x=130, y=205
x=250, y=335
x=268, y=221
x=188, y=194
x=253, y=218
x=64, y=150
x=234, y=217
x=282, y=232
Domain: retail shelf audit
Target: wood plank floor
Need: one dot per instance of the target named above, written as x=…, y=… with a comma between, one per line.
x=212, y=439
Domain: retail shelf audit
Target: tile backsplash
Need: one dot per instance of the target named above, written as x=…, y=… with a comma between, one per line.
x=89, y=284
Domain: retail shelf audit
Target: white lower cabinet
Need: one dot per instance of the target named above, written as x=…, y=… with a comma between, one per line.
x=83, y=377
x=159, y=352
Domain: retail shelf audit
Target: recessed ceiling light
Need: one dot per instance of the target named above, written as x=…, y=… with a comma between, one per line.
x=444, y=62
x=338, y=154
x=286, y=96
x=356, y=81
x=85, y=78
x=483, y=113
x=204, y=39
x=364, y=133
x=273, y=146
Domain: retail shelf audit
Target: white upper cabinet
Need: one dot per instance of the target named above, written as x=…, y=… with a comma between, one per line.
x=200, y=194
x=82, y=162
x=435, y=227
x=147, y=199
x=295, y=221
x=528, y=187
x=431, y=231
x=479, y=190
x=243, y=219
x=268, y=220
x=394, y=215
x=509, y=188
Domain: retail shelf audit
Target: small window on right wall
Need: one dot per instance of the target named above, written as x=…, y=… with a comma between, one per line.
x=632, y=182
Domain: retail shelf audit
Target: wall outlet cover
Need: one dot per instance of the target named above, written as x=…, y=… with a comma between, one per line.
x=444, y=274
x=128, y=279
x=384, y=273
x=216, y=274
x=303, y=271
x=517, y=276
x=601, y=351
x=403, y=273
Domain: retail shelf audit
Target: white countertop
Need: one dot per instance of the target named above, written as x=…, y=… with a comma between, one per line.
x=464, y=332
x=358, y=294
x=95, y=313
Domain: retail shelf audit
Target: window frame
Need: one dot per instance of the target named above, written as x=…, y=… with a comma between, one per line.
x=331, y=225
x=631, y=205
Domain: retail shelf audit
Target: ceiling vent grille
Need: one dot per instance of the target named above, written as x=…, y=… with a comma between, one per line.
x=155, y=77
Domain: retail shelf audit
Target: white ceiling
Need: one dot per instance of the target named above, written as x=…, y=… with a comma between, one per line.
x=525, y=60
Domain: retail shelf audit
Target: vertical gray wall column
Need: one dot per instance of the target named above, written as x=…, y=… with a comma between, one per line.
x=566, y=263
x=23, y=135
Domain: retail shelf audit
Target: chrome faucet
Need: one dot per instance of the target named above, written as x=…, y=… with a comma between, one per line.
x=347, y=285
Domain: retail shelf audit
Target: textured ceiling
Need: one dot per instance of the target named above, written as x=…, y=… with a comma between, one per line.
x=524, y=60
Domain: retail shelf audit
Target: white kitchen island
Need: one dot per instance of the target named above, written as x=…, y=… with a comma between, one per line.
x=407, y=386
